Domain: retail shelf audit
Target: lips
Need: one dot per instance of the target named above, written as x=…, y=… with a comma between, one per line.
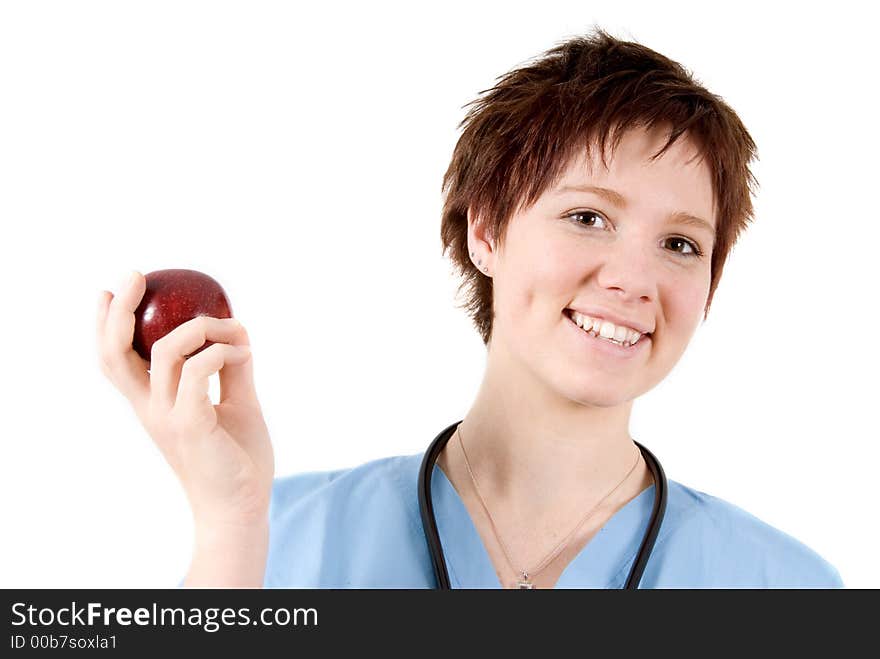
x=569, y=314
x=613, y=318
x=602, y=346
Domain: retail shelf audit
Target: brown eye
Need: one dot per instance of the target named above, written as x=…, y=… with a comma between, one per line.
x=586, y=214
x=683, y=246
x=684, y=242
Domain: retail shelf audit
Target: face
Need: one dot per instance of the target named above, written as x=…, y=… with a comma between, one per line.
x=628, y=255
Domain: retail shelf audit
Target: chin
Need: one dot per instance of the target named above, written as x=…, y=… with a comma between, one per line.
x=593, y=396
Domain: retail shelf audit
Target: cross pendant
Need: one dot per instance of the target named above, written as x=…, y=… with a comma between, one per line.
x=525, y=584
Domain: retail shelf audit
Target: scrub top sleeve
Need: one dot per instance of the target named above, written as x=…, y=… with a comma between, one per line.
x=288, y=489
x=711, y=543
x=790, y=563
x=814, y=571
x=834, y=578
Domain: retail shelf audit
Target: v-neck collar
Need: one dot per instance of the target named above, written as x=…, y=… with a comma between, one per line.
x=598, y=565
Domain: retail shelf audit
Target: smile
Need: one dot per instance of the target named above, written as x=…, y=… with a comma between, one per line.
x=606, y=345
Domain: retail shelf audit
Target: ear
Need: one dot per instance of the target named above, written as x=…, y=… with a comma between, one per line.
x=480, y=244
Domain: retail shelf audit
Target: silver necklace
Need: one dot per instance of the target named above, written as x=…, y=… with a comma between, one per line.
x=524, y=582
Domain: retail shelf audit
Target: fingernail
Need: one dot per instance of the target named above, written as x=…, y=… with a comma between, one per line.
x=126, y=281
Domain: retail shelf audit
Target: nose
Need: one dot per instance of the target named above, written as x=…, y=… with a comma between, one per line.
x=628, y=271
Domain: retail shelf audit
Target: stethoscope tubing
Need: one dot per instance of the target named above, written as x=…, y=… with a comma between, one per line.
x=432, y=536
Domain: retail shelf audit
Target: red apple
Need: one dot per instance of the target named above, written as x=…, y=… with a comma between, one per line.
x=173, y=297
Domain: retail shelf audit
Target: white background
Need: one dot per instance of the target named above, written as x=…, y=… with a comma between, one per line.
x=295, y=151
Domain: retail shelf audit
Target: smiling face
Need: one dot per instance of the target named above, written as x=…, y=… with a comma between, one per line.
x=628, y=253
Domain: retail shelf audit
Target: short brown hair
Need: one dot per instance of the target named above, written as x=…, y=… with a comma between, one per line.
x=521, y=134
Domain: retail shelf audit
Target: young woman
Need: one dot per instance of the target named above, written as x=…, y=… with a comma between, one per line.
x=590, y=206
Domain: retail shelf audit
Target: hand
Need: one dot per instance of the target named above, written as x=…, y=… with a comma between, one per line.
x=222, y=454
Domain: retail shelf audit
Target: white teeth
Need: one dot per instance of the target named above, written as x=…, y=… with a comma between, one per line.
x=607, y=330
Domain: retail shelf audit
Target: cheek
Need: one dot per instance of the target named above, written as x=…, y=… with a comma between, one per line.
x=542, y=285
x=514, y=300
x=689, y=301
x=694, y=295
x=557, y=271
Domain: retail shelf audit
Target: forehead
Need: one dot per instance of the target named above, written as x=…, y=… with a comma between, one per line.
x=680, y=180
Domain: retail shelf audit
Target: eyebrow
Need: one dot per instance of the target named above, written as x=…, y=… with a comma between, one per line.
x=620, y=201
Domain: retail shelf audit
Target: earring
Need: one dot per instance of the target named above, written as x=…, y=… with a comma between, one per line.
x=480, y=264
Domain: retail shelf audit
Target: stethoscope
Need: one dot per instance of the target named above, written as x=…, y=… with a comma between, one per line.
x=429, y=523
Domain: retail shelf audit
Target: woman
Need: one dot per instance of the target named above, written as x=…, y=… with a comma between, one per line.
x=590, y=206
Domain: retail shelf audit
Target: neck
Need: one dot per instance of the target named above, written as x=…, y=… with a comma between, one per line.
x=534, y=452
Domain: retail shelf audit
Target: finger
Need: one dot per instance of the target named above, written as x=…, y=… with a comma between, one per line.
x=100, y=320
x=193, y=401
x=103, y=306
x=129, y=371
x=119, y=330
x=237, y=380
x=169, y=353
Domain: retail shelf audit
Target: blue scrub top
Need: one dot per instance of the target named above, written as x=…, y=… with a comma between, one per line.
x=360, y=527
